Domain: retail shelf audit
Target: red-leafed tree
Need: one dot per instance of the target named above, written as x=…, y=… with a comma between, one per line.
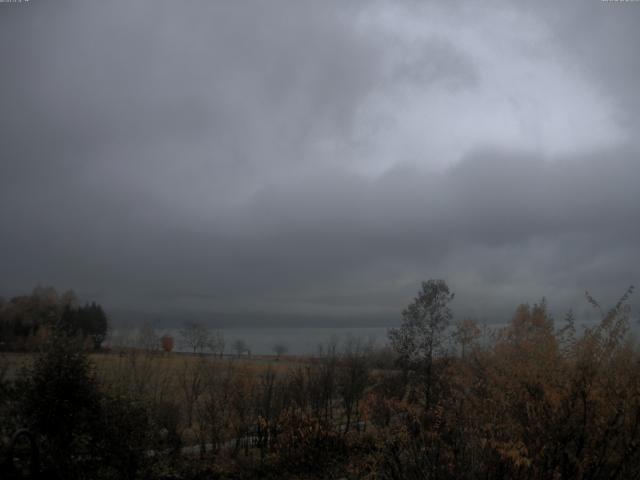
x=167, y=343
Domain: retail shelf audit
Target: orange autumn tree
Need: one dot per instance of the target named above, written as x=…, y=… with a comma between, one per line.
x=523, y=385
x=549, y=403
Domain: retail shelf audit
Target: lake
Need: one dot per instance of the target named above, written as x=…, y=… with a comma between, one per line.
x=298, y=341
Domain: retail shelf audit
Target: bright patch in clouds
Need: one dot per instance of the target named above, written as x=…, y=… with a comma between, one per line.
x=460, y=82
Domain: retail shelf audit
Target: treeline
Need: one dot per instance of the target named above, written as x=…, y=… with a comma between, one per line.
x=28, y=321
x=451, y=400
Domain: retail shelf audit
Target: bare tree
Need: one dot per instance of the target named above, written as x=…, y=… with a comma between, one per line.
x=353, y=376
x=321, y=383
x=147, y=339
x=240, y=347
x=215, y=411
x=280, y=349
x=195, y=336
x=216, y=343
x=421, y=336
x=192, y=384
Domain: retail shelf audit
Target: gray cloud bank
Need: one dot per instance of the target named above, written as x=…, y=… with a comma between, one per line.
x=314, y=161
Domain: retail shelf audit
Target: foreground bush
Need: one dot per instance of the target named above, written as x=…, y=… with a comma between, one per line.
x=82, y=432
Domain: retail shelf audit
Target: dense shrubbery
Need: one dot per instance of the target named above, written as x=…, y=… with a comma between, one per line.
x=82, y=431
x=528, y=401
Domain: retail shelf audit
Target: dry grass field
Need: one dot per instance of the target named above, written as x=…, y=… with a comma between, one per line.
x=168, y=378
x=111, y=365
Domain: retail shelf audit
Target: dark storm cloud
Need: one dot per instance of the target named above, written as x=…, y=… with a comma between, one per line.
x=317, y=158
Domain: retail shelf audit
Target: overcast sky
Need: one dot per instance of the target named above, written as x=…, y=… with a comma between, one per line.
x=319, y=159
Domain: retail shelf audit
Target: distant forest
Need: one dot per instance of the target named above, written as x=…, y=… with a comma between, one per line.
x=535, y=399
x=28, y=321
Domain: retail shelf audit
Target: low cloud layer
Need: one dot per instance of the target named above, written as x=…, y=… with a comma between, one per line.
x=317, y=160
